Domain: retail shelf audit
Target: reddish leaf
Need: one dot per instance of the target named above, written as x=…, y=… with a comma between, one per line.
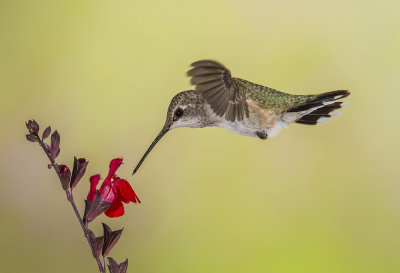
x=123, y=267
x=55, y=144
x=46, y=133
x=110, y=239
x=96, y=244
x=114, y=267
x=31, y=138
x=94, y=209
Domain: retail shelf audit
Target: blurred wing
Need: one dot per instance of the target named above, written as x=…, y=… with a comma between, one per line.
x=218, y=88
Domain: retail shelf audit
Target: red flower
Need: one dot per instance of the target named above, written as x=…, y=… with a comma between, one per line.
x=113, y=190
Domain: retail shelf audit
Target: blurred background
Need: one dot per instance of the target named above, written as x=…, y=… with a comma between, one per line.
x=312, y=199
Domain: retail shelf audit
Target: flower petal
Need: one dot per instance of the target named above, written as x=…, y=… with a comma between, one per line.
x=107, y=193
x=116, y=209
x=125, y=192
x=94, y=180
x=114, y=165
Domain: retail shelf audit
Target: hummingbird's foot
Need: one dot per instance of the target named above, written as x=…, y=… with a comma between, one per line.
x=262, y=134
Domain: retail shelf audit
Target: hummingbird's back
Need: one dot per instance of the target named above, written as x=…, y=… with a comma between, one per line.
x=269, y=98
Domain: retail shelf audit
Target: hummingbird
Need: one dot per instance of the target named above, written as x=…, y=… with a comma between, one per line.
x=242, y=107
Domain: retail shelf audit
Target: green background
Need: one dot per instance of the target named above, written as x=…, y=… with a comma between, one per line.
x=313, y=199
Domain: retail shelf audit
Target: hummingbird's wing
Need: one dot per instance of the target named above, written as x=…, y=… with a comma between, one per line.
x=215, y=83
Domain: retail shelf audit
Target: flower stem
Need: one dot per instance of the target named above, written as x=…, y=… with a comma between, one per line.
x=70, y=198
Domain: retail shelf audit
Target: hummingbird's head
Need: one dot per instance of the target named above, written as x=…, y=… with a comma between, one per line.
x=185, y=110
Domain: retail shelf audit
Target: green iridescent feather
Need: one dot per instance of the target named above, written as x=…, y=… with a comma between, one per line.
x=269, y=98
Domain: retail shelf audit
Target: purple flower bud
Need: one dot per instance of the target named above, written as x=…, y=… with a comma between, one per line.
x=65, y=176
x=78, y=171
x=32, y=126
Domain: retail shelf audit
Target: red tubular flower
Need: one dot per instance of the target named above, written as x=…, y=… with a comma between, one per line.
x=113, y=190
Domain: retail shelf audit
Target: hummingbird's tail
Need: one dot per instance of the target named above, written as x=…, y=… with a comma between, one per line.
x=318, y=109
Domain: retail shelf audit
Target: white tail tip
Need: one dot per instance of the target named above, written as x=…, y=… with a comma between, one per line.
x=323, y=120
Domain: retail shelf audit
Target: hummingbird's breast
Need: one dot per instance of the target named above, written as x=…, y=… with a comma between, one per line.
x=259, y=120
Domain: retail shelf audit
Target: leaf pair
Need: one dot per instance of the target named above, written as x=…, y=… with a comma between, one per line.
x=103, y=245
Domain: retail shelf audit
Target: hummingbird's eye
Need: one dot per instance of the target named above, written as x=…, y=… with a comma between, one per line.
x=178, y=113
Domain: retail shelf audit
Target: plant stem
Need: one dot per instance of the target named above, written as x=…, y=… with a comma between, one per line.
x=70, y=198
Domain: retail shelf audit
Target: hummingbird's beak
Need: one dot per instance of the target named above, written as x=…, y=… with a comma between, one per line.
x=164, y=130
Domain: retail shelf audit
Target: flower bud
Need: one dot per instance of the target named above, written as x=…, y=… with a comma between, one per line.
x=32, y=126
x=78, y=171
x=65, y=176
